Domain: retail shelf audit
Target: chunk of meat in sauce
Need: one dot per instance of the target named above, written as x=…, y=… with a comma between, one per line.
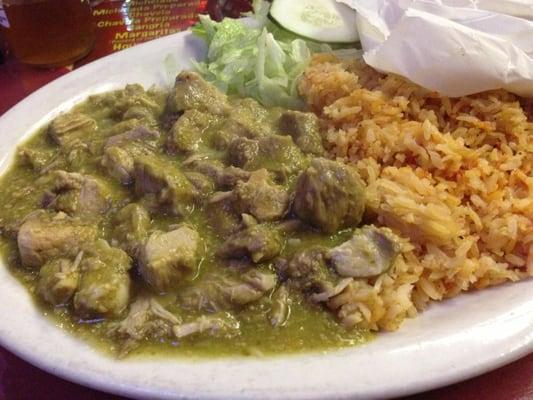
x=69, y=126
x=202, y=183
x=220, y=291
x=119, y=164
x=169, y=258
x=203, y=165
x=280, y=309
x=146, y=319
x=133, y=102
x=130, y=228
x=370, y=252
x=278, y=154
x=139, y=133
x=304, y=129
x=220, y=325
x=221, y=215
x=125, y=126
x=224, y=177
x=248, y=119
x=259, y=243
x=244, y=153
x=192, y=92
x=37, y=159
x=59, y=279
x=104, y=288
x=169, y=188
x=121, y=150
x=189, y=131
x=254, y=285
x=261, y=197
x=143, y=114
x=77, y=194
x=230, y=176
x=329, y=195
x=44, y=236
x=308, y=270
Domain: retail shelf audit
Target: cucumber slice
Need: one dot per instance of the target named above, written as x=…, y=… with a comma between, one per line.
x=320, y=20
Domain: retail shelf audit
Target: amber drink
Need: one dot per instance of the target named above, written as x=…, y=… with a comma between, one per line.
x=48, y=33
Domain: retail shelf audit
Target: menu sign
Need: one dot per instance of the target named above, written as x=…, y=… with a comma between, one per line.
x=122, y=24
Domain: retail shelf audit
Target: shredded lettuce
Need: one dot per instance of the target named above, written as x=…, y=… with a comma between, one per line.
x=254, y=58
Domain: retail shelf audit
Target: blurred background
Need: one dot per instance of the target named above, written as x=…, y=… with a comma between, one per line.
x=41, y=40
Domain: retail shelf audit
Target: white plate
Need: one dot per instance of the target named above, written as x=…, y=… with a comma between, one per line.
x=451, y=341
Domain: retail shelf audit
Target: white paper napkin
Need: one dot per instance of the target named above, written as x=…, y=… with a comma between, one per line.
x=455, y=47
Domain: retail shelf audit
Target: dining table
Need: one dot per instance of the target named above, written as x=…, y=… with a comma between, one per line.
x=21, y=380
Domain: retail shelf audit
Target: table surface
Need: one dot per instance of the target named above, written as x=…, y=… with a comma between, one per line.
x=20, y=380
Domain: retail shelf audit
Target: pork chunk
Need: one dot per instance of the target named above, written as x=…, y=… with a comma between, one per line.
x=280, y=310
x=119, y=164
x=139, y=133
x=244, y=153
x=167, y=259
x=125, y=104
x=202, y=183
x=259, y=242
x=224, y=177
x=94, y=197
x=370, y=252
x=121, y=150
x=190, y=130
x=164, y=183
x=261, y=197
x=254, y=285
x=69, y=126
x=44, y=236
x=203, y=165
x=77, y=194
x=216, y=291
x=221, y=215
x=223, y=325
x=247, y=119
x=36, y=159
x=276, y=153
x=329, y=195
x=304, y=129
x=144, y=114
x=308, y=270
x=146, y=320
x=230, y=176
x=59, y=279
x=124, y=126
x=192, y=92
x=104, y=288
x=130, y=230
